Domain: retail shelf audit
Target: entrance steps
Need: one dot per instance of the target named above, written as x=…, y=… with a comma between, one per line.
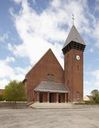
x=52, y=105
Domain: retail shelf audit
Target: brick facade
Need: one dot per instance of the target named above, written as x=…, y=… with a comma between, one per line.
x=48, y=68
x=74, y=74
x=48, y=64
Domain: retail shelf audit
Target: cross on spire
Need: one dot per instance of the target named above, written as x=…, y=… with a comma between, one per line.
x=73, y=18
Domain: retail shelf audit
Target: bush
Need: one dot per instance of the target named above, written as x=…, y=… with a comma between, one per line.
x=1, y=98
x=95, y=96
x=15, y=91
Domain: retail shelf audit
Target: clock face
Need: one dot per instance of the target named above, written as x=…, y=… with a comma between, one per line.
x=77, y=57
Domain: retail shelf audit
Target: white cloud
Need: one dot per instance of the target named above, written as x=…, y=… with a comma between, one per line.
x=92, y=81
x=91, y=50
x=9, y=59
x=39, y=32
x=3, y=83
x=21, y=72
x=95, y=73
x=8, y=73
x=3, y=37
x=5, y=70
x=96, y=34
x=97, y=5
x=18, y=1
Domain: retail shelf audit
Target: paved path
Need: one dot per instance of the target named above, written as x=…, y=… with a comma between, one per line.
x=82, y=117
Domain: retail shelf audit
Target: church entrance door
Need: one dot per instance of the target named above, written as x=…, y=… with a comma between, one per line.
x=61, y=98
x=52, y=97
x=40, y=97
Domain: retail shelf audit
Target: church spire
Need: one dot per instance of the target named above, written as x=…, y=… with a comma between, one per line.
x=73, y=64
x=73, y=37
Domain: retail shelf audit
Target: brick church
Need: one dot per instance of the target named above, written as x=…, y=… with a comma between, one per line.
x=47, y=81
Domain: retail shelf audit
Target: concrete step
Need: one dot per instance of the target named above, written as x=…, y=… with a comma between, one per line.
x=52, y=105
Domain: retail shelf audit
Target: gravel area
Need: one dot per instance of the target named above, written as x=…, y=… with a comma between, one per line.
x=82, y=117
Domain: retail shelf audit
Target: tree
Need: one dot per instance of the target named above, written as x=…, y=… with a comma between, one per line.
x=1, y=94
x=15, y=91
x=94, y=92
x=95, y=96
x=1, y=98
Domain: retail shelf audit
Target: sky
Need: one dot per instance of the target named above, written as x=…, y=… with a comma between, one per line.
x=28, y=28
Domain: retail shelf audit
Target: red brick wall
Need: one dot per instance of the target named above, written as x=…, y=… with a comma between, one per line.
x=74, y=74
x=47, y=65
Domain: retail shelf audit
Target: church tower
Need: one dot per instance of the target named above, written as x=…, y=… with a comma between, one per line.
x=73, y=65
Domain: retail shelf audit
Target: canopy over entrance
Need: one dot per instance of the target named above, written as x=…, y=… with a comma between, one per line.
x=49, y=91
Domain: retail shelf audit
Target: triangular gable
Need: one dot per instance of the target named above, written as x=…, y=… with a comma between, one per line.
x=49, y=54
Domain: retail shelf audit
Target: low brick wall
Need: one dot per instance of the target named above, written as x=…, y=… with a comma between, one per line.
x=17, y=105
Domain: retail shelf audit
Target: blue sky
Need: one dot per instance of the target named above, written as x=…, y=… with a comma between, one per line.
x=28, y=28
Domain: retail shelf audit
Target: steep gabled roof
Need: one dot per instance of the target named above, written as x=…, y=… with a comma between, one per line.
x=48, y=53
x=74, y=36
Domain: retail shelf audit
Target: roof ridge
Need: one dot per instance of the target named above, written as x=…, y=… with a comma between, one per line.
x=39, y=60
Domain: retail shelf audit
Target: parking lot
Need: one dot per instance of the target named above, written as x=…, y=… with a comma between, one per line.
x=80, y=117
